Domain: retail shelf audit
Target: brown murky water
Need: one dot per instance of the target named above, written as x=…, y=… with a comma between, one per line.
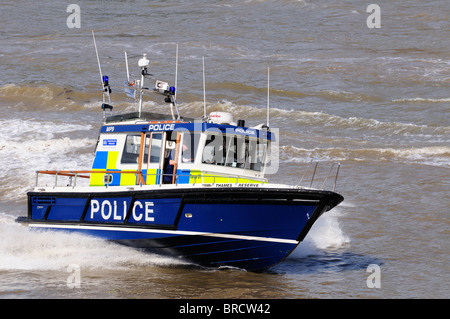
x=376, y=100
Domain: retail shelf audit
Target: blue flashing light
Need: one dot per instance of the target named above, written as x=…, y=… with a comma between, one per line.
x=105, y=80
x=172, y=90
x=106, y=106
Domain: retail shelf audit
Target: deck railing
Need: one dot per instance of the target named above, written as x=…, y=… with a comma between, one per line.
x=314, y=165
x=204, y=179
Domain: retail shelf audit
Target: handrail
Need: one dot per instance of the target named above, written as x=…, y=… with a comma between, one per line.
x=202, y=176
x=81, y=173
x=336, y=177
x=326, y=178
x=306, y=170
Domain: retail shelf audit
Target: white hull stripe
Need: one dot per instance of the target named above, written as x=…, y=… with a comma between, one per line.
x=162, y=231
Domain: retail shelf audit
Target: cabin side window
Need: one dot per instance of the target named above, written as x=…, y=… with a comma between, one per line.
x=256, y=154
x=155, y=148
x=213, y=152
x=234, y=151
x=189, y=147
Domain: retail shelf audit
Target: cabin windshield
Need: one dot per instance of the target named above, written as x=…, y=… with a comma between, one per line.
x=130, y=154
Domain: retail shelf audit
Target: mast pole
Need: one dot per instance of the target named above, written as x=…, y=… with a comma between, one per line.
x=176, y=73
x=268, y=95
x=204, y=88
x=126, y=65
x=98, y=61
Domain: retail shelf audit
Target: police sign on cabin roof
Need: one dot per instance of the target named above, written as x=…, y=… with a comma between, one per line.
x=158, y=127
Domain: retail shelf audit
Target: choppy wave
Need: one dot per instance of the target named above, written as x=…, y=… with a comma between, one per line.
x=12, y=129
x=318, y=119
x=420, y=99
x=22, y=159
x=27, y=146
x=432, y=155
x=46, y=97
x=345, y=96
x=367, y=124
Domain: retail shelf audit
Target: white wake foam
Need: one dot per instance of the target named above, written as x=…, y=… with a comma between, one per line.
x=421, y=99
x=22, y=249
x=325, y=234
x=27, y=146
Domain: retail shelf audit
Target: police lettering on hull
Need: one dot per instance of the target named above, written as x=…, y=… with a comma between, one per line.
x=111, y=210
x=160, y=211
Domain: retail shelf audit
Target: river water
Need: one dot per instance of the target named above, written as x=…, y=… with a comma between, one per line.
x=375, y=99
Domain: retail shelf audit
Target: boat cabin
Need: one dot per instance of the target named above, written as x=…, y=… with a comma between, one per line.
x=154, y=149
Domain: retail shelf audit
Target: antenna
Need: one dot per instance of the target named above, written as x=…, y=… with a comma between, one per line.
x=98, y=61
x=126, y=64
x=176, y=73
x=169, y=91
x=176, y=84
x=143, y=63
x=268, y=95
x=204, y=89
x=105, y=83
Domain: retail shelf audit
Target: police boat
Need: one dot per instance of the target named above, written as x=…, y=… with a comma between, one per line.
x=191, y=188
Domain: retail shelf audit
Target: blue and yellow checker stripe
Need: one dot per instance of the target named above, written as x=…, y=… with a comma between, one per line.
x=107, y=161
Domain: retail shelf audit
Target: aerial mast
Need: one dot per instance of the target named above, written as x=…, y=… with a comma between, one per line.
x=204, y=88
x=143, y=64
x=268, y=95
x=105, y=83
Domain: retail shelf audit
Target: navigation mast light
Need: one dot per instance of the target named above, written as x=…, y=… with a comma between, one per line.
x=164, y=88
x=143, y=62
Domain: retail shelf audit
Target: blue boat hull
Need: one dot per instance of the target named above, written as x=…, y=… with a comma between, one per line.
x=247, y=228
